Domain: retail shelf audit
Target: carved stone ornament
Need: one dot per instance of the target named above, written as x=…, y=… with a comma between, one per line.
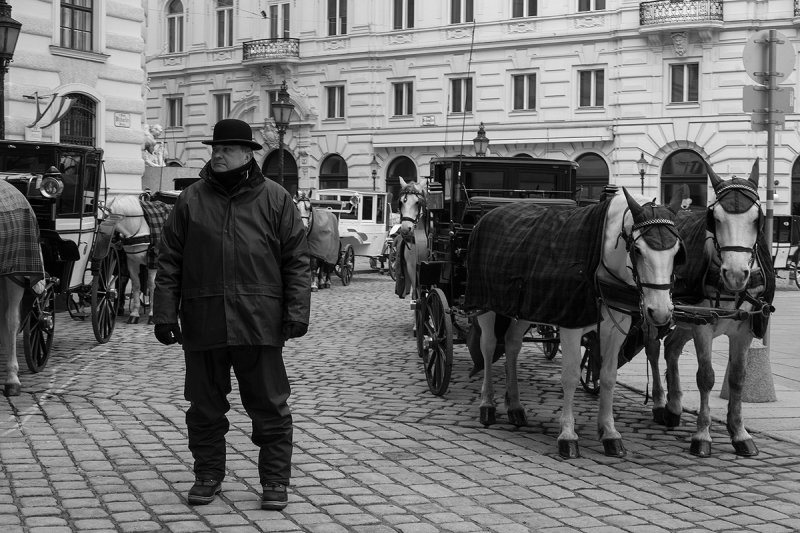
x=336, y=44
x=222, y=56
x=172, y=61
x=458, y=33
x=270, y=133
x=523, y=27
x=679, y=43
x=401, y=38
x=590, y=22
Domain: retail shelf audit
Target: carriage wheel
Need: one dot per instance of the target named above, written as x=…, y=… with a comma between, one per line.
x=435, y=342
x=105, y=291
x=550, y=348
x=392, y=258
x=796, y=273
x=348, y=261
x=37, y=337
x=590, y=364
x=72, y=307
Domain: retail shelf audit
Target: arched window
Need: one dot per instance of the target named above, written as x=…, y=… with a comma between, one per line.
x=400, y=167
x=78, y=126
x=592, y=175
x=685, y=166
x=526, y=156
x=796, y=187
x=175, y=27
x=333, y=173
x=290, y=177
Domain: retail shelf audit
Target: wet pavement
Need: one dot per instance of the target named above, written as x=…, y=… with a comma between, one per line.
x=97, y=442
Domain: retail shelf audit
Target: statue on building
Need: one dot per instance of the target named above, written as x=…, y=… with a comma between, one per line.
x=270, y=133
x=679, y=43
x=154, y=152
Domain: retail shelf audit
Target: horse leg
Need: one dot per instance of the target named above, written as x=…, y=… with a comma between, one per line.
x=610, y=344
x=513, y=345
x=701, y=439
x=314, y=274
x=151, y=290
x=570, y=377
x=136, y=287
x=739, y=345
x=327, y=271
x=11, y=294
x=488, y=343
x=652, y=348
x=673, y=346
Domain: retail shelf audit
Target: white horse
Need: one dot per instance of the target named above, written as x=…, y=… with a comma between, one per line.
x=638, y=249
x=135, y=242
x=322, y=233
x=723, y=270
x=412, y=202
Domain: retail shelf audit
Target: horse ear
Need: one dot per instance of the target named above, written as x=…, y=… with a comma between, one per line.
x=754, y=173
x=715, y=180
x=633, y=205
x=677, y=199
x=403, y=183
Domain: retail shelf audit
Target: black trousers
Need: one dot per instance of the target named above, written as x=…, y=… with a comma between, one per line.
x=264, y=389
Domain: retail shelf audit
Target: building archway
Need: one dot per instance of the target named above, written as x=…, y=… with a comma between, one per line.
x=400, y=167
x=523, y=154
x=333, y=173
x=290, y=177
x=685, y=166
x=592, y=176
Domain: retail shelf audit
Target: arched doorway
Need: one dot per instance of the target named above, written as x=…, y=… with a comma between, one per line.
x=78, y=125
x=592, y=176
x=290, y=177
x=400, y=167
x=685, y=166
x=333, y=173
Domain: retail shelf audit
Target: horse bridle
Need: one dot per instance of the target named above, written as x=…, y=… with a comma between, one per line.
x=727, y=189
x=310, y=210
x=421, y=204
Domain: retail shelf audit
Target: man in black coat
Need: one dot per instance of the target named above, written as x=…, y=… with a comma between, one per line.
x=234, y=266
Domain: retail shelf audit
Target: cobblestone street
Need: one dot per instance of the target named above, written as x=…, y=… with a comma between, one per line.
x=97, y=442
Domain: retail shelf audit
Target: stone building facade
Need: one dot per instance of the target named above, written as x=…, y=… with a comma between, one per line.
x=602, y=82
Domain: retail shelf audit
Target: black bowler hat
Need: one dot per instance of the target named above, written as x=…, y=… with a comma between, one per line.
x=233, y=131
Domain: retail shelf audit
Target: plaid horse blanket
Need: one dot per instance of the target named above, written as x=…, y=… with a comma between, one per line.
x=323, y=240
x=536, y=263
x=19, y=235
x=155, y=214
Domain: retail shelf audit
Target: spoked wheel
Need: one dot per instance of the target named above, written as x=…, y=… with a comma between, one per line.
x=105, y=291
x=37, y=337
x=348, y=261
x=797, y=274
x=590, y=364
x=392, y=259
x=435, y=341
x=550, y=348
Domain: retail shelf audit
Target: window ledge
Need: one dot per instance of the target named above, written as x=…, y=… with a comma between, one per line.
x=592, y=109
x=683, y=105
x=401, y=118
x=334, y=120
x=78, y=54
x=516, y=112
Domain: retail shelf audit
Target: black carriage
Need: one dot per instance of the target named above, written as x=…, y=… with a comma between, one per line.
x=786, y=245
x=62, y=183
x=460, y=191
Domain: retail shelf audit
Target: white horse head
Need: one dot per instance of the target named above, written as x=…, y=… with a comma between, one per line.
x=302, y=200
x=411, y=204
x=734, y=220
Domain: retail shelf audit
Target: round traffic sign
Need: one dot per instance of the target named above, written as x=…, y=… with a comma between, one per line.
x=756, y=57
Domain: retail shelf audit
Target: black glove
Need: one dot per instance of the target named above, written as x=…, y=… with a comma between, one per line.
x=169, y=333
x=292, y=330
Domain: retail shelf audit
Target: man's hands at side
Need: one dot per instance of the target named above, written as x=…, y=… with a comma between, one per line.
x=292, y=330
x=169, y=334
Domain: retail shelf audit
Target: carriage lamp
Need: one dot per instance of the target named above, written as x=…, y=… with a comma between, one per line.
x=374, y=166
x=481, y=142
x=642, y=164
x=9, y=33
x=51, y=186
x=282, y=112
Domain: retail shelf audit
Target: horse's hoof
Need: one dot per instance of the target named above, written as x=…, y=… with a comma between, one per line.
x=568, y=449
x=672, y=420
x=150, y=321
x=700, y=448
x=133, y=320
x=11, y=389
x=314, y=289
x=488, y=416
x=745, y=448
x=614, y=448
x=659, y=415
x=517, y=417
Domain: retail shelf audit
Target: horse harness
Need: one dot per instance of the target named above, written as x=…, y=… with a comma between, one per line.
x=135, y=238
x=421, y=203
x=309, y=209
x=729, y=198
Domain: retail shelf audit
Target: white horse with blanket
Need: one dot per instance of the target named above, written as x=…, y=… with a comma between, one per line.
x=410, y=241
x=322, y=234
x=21, y=269
x=729, y=281
x=564, y=266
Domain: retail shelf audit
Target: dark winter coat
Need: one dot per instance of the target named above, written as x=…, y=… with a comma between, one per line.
x=235, y=266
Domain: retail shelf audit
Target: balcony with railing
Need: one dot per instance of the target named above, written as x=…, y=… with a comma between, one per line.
x=796, y=10
x=271, y=51
x=680, y=14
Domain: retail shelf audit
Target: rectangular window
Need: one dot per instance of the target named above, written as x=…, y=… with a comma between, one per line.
x=403, y=14
x=224, y=23
x=175, y=33
x=685, y=81
x=279, y=21
x=591, y=88
x=461, y=11
x=223, y=105
x=76, y=24
x=335, y=101
x=591, y=5
x=403, y=98
x=524, y=87
x=174, y=112
x=461, y=95
x=337, y=17
x=523, y=8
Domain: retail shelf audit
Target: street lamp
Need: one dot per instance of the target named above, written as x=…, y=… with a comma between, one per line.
x=9, y=33
x=642, y=164
x=481, y=142
x=281, y=112
x=374, y=166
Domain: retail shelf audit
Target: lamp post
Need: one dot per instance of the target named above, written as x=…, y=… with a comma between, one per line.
x=9, y=33
x=642, y=164
x=281, y=112
x=481, y=142
x=374, y=166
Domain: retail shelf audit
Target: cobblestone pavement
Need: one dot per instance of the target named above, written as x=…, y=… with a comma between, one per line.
x=97, y=442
